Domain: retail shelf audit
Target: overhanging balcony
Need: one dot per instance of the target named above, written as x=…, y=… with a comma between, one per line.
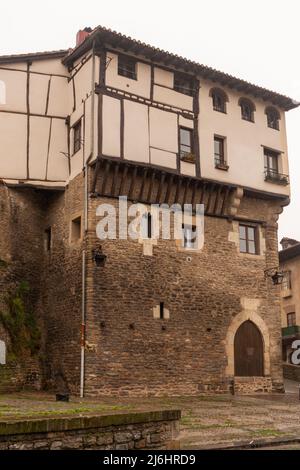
x=291, y=331
x=273, y=176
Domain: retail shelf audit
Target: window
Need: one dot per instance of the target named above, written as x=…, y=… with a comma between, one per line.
x=219, y=99
x=271, y=162
x=183, y=84
x=247, y=109
x=248, y=239
x=76, y=229
x=48, y=239
x=286, y=282
x=189, y=236
x=273, y=117
x=161, y=310
x=127, y=67
x=77, y=136
x=291, y=319
x=186, y=143
x=219, y=151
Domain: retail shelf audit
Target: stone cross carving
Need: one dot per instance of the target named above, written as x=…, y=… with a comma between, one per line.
x=2, y=353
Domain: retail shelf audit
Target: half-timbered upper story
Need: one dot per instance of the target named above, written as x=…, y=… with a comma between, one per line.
x=117, y=98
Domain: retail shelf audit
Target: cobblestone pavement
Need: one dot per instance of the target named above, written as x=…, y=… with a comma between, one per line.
x=206, y=420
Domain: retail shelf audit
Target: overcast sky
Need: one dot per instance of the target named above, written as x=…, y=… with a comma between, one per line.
x=256, y=40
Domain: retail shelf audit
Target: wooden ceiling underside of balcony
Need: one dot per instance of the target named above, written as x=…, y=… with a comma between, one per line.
x=155, y=185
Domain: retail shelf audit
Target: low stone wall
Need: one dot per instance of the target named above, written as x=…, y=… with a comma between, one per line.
x=291, y=372
x=147, y=430
x=251, y=385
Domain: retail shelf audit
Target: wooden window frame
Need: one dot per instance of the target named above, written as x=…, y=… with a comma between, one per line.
x=246, y=102
x=215, y=93
x=181, y=88
x=247, y=226
x=187, y=156
x=77, y=144
x=220, y=159
x=273, y=118
x=293, y=316
x=127, y=67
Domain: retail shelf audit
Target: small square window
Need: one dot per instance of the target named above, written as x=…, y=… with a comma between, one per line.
x=291, y=319
x=77, y=137
x=248, y=239
x=76, y=229
x=127, y=67
x=183, y=84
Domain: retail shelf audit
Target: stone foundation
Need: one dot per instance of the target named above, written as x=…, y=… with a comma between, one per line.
x=291, y=372
x=149, y=430
x=251, y=385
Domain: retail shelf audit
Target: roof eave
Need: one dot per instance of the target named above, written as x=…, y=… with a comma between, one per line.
x=119, y=41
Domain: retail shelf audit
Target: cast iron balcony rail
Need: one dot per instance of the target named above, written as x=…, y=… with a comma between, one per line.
x=275, y=177
x=291, y=331
x=221, y=164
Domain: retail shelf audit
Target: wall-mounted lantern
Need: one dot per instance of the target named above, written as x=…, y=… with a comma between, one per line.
x=275, y=274
x=99, y=257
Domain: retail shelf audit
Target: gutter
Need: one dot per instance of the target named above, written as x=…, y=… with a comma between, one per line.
x=86, y=225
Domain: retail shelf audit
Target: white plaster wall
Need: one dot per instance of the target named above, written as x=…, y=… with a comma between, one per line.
x=58, y=98
x=38, y=93
x=172, y=98
x=136, y=134
x=244, y=142
x=13, y=142
x=163, y=77
x=163, y=130
x=51, y=66
x=58, y=163
x=15, y=90
x=39, y=137
x=111, y=126
x=161, y=158
x=140, y=87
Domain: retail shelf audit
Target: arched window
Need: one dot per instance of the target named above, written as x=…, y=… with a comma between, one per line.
x=2, y=92
x=273, y=117
x=247, y=109
x=219, y=99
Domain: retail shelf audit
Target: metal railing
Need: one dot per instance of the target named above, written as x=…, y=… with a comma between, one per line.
x=276, y=177
x=221, y=163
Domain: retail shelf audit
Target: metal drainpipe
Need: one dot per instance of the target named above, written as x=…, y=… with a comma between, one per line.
x=83, y=306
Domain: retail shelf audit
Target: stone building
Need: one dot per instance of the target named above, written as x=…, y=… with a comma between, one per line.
x=289, y=258
x=116, y=117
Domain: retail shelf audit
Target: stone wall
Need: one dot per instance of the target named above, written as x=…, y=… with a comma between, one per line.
x=134, y=353
x=291, y=372
x=252, y=385
x=21, y=248
x=148, y=430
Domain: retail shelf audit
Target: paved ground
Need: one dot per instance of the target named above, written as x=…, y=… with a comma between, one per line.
x=206, y=420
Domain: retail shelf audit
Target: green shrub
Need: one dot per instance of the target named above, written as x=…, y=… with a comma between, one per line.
x=20, y=322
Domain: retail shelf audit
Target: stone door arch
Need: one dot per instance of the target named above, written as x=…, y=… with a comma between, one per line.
x=237, y=321
x=248, y=351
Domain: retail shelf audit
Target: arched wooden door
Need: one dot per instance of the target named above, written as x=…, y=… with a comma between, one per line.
x=248, y=351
